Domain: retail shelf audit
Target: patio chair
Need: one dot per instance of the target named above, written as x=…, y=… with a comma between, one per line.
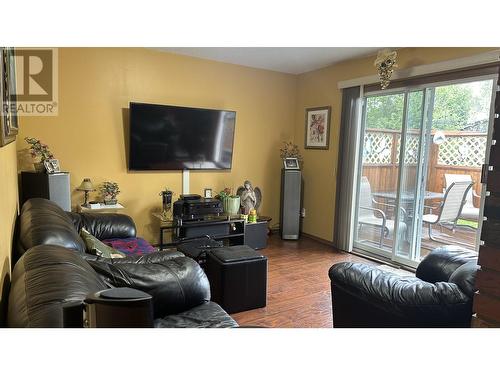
x=372, y=216
x=450, y=208
x=469, y=211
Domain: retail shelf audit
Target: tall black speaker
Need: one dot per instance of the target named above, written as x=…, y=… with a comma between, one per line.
x=54, y=187
x=291, y=185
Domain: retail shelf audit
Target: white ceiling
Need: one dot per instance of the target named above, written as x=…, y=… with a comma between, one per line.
x=294, y=60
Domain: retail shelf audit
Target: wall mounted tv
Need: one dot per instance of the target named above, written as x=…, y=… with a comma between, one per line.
x=165, y=137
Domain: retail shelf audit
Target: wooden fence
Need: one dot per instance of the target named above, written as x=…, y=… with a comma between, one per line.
x=381, y=159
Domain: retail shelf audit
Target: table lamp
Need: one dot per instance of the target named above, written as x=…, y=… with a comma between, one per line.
x=87, y=187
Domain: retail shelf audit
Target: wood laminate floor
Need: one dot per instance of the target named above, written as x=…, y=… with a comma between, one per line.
x=298, y=287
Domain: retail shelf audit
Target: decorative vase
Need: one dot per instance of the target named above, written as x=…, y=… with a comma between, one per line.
x=39, y=167
x=231, y=205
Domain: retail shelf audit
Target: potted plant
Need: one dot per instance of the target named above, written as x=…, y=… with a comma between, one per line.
x=290, y=150
x=109, y=191
x=230, y=202
x=39, y=150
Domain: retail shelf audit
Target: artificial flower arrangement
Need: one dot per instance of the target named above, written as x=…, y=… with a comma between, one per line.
x=39, y=150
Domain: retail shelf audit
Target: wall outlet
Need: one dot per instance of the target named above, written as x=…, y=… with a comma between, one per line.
x=303, y=212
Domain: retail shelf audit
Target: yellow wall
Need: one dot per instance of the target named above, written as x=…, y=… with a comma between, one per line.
x=97, y=84
x=8, y=213
x=319, y=88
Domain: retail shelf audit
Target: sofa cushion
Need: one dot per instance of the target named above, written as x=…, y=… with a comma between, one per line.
x=104, y=225
x=176, y=284
x=96, y=247
x=43, y=222
x=206, y=315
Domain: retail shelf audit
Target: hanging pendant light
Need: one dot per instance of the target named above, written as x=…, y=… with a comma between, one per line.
x=385, y=63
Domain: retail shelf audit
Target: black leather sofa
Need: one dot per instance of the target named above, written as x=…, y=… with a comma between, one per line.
x=439, y=296
x=53, y=269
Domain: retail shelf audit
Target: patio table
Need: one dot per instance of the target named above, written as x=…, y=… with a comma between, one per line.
x=406, y=198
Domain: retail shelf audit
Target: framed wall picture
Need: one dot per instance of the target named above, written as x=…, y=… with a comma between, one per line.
x=8, y=118
x=208, y=193
x=52, y=166
x=318, y=128
x=291, y=163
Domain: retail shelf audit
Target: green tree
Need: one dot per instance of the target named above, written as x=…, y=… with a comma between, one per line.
x=456, y=107
x=384, y=112
x=452, y=107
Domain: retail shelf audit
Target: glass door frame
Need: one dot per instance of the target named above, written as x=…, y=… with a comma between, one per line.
x=425, y=138
x=388, y=255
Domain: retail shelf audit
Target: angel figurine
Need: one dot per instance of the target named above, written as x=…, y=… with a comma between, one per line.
x=250, y=198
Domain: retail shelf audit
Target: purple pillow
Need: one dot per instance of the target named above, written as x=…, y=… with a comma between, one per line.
x=131, y=246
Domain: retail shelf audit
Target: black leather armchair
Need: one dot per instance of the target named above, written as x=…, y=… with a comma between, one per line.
x=439, y=296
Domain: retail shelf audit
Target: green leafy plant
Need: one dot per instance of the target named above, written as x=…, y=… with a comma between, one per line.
x=226, y=193
x=109, y=189
x=38, y=149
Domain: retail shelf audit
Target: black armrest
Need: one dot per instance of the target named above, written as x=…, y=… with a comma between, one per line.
x=176, y=284
x=386, y=287
x=104, y=226
x=442, y=262
x=44, y=279
x=408, y=300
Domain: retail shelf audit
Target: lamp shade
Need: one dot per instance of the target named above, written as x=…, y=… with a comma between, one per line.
x=86, y=185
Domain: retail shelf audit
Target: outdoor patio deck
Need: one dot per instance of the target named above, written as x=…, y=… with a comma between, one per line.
x=462, y=236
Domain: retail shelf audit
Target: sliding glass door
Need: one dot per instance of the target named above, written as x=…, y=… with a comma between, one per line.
x=418, y=149
x=389, y=174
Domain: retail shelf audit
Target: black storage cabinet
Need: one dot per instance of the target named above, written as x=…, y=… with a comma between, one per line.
x=256, y=235
x=238, y=278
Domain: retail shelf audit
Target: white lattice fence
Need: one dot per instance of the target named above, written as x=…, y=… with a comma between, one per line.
x=464, y=150
x=411, y=151
x=377, y=147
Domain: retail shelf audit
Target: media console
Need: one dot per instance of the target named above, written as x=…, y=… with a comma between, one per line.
x=232, y=230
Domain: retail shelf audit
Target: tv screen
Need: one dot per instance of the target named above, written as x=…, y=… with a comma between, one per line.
x=164, y=137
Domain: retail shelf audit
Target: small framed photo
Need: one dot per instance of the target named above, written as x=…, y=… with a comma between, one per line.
x=318, y=128
x=52, y=166
x=208, y=193
x=291, y=163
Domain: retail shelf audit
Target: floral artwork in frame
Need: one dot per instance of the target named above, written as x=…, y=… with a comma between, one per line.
x=318, y=128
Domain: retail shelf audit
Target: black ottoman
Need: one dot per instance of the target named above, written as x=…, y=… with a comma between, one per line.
x=197, y=248
x=238, y=278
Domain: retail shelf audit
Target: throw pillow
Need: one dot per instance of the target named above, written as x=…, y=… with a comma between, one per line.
x=96, y=247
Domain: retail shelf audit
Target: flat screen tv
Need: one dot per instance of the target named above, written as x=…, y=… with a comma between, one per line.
x=165, y=137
